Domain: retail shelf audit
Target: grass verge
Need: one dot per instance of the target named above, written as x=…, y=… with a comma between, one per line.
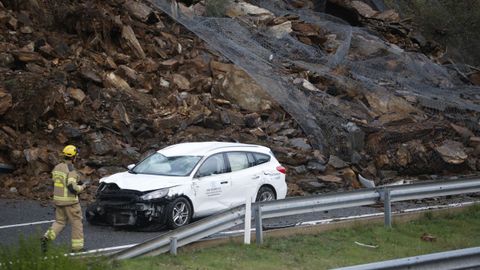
x=27, y=255
x=331, y=249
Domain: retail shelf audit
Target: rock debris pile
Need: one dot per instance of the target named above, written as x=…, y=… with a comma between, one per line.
x=120, y=79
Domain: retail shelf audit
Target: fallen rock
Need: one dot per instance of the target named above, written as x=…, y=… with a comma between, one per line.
x=115, y=81
x=363, y=9
x=300, y=169
x=462, y=131
x=300, y=143
x=243, y=9
x=90, y=75
x=238, y=87
x=281, y=30
x=252, y=120
x=26, y=30
x=384, y=103
x=475, y=78
x=76, y=94
x=452, y=152
x=337, y=162
x=181, y=82
x=330, y=178
x=315, y=166
x=139, y=10
x=388, y=16
x=310, y=186
x=5, y=101
x=28, y=57
x=6, y=60
x=129, y=73
x=9, y=131
x=306, y=84
x=120, y=114
x=474, y=141
x=387, y=174
x=349, y=177
x=129, y=36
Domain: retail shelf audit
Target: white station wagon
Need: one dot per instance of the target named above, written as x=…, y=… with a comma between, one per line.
x=188, y=180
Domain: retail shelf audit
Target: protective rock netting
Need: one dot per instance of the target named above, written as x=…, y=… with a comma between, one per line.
x=267, y=60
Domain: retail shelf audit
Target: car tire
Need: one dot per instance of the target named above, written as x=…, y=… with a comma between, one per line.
x=179, y=213
x=265, y=193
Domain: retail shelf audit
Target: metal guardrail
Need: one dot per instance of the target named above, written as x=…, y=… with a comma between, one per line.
x=185, y=235
x=456, y=259
x=293, y=206
x=302, y=205
x=389, y=194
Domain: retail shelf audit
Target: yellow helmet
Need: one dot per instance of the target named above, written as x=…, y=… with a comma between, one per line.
x=70, y=151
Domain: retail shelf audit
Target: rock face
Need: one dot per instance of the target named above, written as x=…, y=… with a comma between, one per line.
x=130, y=80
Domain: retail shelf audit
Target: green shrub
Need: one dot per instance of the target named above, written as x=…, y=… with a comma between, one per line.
x=454, y=24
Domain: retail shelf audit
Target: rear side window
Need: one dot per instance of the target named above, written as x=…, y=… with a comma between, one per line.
x=213, y=165
x=261, y=158
x=238, y=160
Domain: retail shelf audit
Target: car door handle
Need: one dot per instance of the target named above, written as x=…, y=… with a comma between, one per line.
x=256, y=177
x=224, y=182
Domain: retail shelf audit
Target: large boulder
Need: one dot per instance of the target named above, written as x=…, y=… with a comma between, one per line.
x=238, y=87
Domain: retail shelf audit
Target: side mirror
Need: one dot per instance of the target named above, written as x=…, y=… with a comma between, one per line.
x=130, y=167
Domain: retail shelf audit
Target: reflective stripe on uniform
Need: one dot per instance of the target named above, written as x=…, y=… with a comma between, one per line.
x=58, y=184
x=50, y=234
x=59, y=175
x=65, y=199
x=77, y=243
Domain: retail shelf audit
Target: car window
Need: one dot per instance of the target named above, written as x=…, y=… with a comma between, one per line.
x=162, y=165
x=261, y=158
x=213, y=165
x=251, y=160
x=238, y=161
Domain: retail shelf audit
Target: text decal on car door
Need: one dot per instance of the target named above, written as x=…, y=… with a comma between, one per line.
x=214, y=189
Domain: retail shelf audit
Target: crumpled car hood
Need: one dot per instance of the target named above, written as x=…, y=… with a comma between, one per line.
x=143, y=182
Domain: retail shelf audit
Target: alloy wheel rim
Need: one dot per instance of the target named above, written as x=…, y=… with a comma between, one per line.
x=266, y=196
x=180, y=214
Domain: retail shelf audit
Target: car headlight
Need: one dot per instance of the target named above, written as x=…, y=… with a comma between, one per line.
x=157, y=194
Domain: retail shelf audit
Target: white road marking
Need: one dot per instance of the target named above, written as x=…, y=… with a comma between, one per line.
x=102, y=251
x=452, y=205
x=26, y=224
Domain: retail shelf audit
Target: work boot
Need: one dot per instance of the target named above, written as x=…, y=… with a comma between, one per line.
x=43, y=244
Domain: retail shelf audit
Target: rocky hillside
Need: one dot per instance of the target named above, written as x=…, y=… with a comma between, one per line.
x=120, y=79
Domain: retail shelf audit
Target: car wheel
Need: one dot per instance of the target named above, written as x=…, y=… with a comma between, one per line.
x=179, y=213
x=265, y=194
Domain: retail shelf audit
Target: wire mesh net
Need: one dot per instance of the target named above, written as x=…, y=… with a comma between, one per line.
x=373, y=66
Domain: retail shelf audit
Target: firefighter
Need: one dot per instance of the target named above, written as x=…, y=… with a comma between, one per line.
x=65, y=197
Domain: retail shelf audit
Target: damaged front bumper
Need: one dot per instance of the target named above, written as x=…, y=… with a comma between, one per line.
x=119, y=207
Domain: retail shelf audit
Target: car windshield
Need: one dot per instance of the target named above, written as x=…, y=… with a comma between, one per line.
x=171, y=166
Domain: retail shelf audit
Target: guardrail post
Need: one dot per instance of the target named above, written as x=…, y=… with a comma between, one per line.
x=258, y=225
x=173, y=246
x=387, y=208
x=248, y=221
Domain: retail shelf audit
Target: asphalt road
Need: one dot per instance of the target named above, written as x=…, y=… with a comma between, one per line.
x=29, y=219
